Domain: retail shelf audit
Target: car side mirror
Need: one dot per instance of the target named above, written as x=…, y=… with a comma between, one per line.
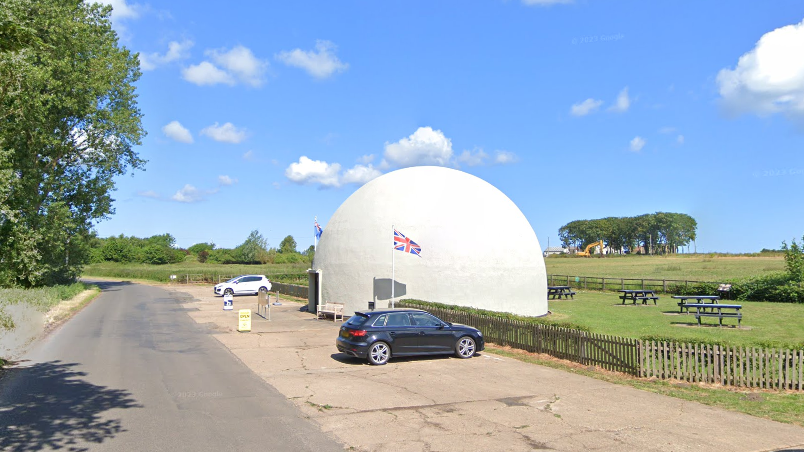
x=441, y=326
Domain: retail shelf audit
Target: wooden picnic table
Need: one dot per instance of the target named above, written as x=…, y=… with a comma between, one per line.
x=712, y=299
x=642, y=295
x=554, y=292
x=718, y=310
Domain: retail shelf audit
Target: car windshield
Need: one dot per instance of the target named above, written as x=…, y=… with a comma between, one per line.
x=234, y=279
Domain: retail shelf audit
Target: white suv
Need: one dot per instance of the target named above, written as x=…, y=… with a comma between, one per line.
x=244, y=285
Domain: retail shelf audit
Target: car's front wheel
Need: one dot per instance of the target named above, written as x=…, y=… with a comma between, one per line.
x=465, y=348
x=379, y=353
x=228, y=292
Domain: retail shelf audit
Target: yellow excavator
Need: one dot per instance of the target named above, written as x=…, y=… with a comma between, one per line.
x=589, y=248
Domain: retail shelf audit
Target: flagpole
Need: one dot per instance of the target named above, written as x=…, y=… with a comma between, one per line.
x=315, y=234
x=393, y=271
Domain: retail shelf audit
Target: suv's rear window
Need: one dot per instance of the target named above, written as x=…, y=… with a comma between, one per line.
x=356, y=320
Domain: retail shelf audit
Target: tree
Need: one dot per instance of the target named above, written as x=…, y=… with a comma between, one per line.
x=288, y=245
x=198, y=247
x=254, y=249
x=794, y=259
x=310, y=254
x=68, y=126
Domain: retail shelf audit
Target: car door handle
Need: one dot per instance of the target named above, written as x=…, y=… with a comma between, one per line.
x=392, y=333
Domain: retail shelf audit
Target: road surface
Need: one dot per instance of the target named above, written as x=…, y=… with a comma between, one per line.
x=132, y=371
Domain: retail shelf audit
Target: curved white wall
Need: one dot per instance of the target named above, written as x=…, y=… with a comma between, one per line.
x=478, y=249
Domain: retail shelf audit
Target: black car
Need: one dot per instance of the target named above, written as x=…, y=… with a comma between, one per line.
x=378, y=335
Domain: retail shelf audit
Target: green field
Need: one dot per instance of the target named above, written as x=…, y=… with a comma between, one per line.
x=692, y=267
x=285, y=273
x=765, y=324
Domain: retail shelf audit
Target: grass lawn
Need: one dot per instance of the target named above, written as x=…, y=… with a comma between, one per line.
x=692, y=267
x=765, y=324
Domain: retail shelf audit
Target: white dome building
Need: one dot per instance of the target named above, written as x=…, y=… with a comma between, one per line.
x=477, y=248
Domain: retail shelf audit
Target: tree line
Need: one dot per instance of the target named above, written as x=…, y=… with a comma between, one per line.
x=161, y=249
x=660, y=232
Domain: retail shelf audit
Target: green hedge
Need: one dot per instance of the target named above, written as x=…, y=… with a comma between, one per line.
x=776, y=287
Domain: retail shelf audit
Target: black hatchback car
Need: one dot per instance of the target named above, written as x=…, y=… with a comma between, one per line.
x=379, y=335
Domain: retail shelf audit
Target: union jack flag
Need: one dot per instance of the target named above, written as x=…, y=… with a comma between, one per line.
x=406, y=245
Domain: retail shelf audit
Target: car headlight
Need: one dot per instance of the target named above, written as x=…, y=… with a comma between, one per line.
x=480, y=333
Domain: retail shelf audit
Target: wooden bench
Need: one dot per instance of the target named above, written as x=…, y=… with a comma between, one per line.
x=645, y=299
x=716, y=310
x=336, y=309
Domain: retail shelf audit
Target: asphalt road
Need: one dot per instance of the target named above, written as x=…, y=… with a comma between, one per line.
x=132, y=371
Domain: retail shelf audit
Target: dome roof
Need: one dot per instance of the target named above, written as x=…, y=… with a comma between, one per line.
x=477, y=248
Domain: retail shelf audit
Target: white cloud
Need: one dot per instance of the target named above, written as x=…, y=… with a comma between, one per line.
x=308, y=171
x=176, y=131
x=366, y=159
x=637, y=144
x=360, y=174
x=504, y=157
x=226, y=180
x=176, y=51
x=320, y=63
x=476, y=158
x=149, y=194
x=205, y=73
x=238, y=65
x=122, y=10
x=249, y=155
x=667, y=130
x=424, y=147
x=188, y=194
x=545, y=2
x=680, y=139
x=226, y=133
x=770, y=77
x=622, y=103
x=585, y=107
x=242, y=63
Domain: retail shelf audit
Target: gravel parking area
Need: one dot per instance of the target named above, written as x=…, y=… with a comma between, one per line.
x=485, y=403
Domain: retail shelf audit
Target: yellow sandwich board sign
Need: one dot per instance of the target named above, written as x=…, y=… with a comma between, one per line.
x=245, y=320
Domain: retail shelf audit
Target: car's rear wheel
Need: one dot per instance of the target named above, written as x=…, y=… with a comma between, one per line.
x=263, y=289
x=379, y=353
x=465, y=348
x=228, y=292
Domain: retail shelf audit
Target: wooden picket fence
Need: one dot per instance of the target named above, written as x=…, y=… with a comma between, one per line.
x=608, y=352
x=749, y=367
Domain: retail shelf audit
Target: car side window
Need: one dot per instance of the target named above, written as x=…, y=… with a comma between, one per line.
x=250, y=279
x=380, y=321
x=398, y=319
x=423, y=319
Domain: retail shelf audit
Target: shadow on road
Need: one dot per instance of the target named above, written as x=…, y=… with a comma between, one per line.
x=49, y=405
x=106, y=286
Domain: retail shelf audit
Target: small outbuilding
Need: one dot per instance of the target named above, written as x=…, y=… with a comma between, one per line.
x=477, y=248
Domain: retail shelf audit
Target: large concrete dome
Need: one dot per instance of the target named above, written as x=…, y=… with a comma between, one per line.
x=478, y=249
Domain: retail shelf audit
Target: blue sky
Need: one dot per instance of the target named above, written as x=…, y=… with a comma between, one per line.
x=263, y=115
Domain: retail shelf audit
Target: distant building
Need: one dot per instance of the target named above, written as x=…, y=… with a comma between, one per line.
x=555, y=250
